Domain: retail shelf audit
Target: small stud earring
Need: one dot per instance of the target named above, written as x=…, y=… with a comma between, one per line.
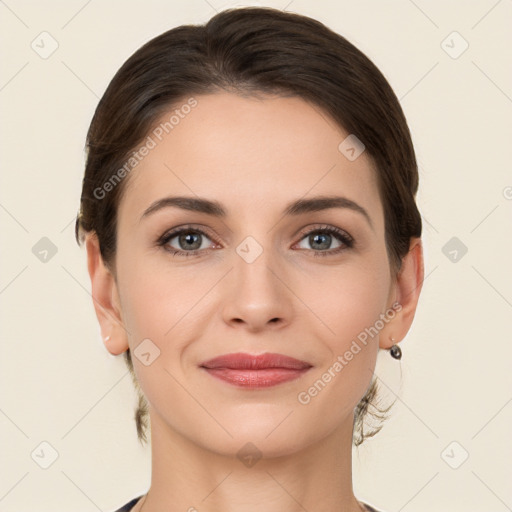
x=107, y=338
x=395, y=351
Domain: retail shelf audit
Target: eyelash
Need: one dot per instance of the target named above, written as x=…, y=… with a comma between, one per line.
x=342, y=236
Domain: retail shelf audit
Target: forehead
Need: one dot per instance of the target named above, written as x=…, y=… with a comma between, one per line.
x=248, y=153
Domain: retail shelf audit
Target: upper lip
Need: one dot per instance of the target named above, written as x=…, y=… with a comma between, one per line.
x=255, y=362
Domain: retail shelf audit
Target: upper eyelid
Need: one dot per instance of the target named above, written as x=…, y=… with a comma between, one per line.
x=171, y=233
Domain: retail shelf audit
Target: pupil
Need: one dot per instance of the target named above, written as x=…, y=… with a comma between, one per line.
x=320, y=236
x=189, y=238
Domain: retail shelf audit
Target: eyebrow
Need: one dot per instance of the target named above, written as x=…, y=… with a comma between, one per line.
x=295, y=208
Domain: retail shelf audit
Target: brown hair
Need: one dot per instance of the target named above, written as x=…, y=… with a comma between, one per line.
x=250, y=51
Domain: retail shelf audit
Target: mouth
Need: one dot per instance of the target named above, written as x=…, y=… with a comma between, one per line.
x=255, y=371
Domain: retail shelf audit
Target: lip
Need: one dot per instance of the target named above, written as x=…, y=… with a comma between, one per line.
x=255, y=371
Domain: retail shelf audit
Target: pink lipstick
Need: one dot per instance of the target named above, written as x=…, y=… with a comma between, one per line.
x=255, y=371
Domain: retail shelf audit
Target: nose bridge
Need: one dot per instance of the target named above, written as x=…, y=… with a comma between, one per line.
x=258, y=294
x=255, y=267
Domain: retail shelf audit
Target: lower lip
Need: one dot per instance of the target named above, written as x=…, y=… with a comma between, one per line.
x=256, y=378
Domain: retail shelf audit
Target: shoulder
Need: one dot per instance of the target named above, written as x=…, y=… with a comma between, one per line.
x=128, y=506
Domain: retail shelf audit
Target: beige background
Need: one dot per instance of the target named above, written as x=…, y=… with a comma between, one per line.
x=60, y=386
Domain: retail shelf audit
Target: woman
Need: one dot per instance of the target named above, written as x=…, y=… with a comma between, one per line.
x=248, y=210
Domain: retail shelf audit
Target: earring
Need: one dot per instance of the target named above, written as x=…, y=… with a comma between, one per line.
x=107, y=338
x=395, y=351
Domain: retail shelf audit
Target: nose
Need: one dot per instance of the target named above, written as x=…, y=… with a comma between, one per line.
x=257, y=297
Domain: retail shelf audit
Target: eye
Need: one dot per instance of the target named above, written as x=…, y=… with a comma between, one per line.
x=321, y=238
x=187, y=238
x=190, y=241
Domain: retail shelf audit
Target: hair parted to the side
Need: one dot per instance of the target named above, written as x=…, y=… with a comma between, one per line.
x=252, y=51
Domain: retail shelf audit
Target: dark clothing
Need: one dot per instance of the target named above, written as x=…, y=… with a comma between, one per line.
x=129, y=505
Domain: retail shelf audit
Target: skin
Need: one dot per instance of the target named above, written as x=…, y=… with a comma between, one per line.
x=253, y=155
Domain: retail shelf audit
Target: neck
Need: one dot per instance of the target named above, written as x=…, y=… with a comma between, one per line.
x=189, y=477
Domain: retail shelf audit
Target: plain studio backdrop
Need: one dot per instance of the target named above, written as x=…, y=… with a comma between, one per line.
x=68, y=439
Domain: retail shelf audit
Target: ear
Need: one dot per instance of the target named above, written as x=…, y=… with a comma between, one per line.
x=406, y=292
x=106, y=299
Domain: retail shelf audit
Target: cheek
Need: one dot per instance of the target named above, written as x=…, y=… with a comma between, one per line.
x=351, y=309
x=158, y=311
x=166, y=305
x=352, y=299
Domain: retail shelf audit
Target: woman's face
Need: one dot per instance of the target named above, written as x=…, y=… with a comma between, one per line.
x=256, y=281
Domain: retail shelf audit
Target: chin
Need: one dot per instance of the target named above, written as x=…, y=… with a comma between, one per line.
x=260, y=436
